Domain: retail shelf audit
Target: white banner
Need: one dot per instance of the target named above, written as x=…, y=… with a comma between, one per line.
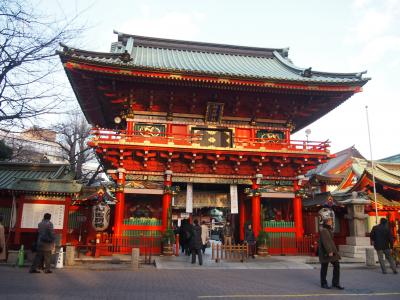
x=234, y=199
x=32, y=214
x=189, y=198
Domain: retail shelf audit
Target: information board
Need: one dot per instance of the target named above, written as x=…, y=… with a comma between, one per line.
x=32, y=215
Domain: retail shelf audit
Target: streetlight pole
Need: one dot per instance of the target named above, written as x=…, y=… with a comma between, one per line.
x=372, y=167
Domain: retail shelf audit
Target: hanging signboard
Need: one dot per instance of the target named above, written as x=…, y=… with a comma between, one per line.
x=234, y=199
x=189, y=198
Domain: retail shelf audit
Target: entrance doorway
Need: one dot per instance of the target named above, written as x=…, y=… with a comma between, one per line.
x=211, y=204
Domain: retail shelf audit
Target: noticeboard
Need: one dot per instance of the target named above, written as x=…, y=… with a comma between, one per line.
x=32, y=214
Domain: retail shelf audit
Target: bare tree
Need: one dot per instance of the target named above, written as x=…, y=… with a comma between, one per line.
x=73, y=135
x=28, y=61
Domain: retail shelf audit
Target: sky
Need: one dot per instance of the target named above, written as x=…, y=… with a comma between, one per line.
x=333, y=36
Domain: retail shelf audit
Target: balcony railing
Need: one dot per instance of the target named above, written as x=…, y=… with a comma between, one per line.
x=193, y=141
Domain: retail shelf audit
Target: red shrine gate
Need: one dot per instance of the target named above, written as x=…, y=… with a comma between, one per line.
x=173, y=113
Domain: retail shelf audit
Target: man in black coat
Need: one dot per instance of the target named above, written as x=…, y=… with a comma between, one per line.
x=383, y=243
x=196, y=243
x=45, y=244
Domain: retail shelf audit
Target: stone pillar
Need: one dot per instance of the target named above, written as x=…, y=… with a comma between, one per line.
x=298, y=212
x=70, y=256
x=256, y=204
x=135, y=258
x=166, y=201
x=370, y=257
x=357, y=242
x=120, y=206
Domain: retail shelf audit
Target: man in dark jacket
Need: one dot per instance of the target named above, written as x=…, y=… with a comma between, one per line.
x=383, y=242
x=327, y=250
x=227, y=233
x=250, y=239
x=45, y=243
x=196, y=243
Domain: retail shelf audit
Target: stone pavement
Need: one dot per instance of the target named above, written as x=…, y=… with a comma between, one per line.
x=151, y=283
x=271, y=262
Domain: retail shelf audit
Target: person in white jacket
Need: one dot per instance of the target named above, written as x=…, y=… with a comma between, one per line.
x=204, y=236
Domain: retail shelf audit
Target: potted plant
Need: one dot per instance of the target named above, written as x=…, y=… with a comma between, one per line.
x=168, y=240
x=262, y=243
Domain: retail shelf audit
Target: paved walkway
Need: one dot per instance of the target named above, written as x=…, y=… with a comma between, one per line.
x=271, y=262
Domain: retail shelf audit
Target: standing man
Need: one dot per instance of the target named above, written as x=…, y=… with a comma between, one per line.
x=196, y=243
x=2, y=240
x=383, y=243
x=227, y=233
x=327, y=250
x=45, y=244
x=250, y=239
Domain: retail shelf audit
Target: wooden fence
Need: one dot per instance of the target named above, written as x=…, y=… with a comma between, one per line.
x=233, y=252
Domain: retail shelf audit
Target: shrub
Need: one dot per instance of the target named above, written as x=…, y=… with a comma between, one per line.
x=168, y=237
x=263, y=238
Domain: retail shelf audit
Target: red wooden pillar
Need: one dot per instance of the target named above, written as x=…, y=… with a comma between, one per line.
x=129, y=127
x=242, y=217
x=392, y=223
x=256, y=205
x=298, y=213
x=20, y=207
x=66, y=214
x=120, y=206
x=166, y=201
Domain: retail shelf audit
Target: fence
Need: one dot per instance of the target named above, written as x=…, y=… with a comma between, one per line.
x=148, y=246
x=284, y=245
x=229, y=252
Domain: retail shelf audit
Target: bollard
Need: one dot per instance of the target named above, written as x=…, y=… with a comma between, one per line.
x=21, y=257
x=70, y=256
x=60, y=259
x=370, y=257
x=135, y=258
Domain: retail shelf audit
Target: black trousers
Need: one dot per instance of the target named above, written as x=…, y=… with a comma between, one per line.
x=198, y=252
x=42, y=256
x=336, y=273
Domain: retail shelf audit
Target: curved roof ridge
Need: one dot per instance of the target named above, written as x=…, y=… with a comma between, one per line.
x=199, y=46
x=293, y=67
x=90, y=53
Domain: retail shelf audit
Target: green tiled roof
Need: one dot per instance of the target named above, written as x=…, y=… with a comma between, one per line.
x=56, y=178
x=46, y=186
x=382, y=175
x=137, y=52
x=391, y=159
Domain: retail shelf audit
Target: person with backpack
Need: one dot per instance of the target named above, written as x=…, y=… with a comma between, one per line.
x=186, y=235
x=45, y=243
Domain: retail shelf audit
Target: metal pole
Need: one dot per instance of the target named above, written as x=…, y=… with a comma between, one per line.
x=372, y=167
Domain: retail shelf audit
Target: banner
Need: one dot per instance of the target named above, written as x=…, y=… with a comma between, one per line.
x=234, y=199
x=32, y=215
x=189, y=198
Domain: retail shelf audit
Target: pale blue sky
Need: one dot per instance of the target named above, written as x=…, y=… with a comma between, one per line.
x=343, y=36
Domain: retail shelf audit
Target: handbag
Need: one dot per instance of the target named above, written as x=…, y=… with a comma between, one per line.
x=208, y=244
